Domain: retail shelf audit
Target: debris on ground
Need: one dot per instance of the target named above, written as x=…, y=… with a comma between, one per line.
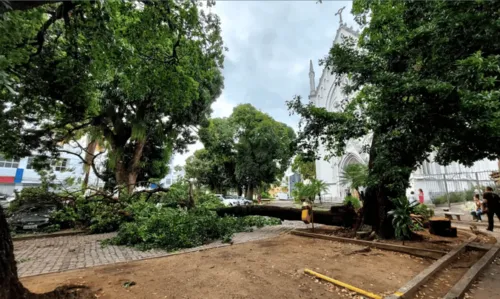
x=128, y=284
x=354, y=251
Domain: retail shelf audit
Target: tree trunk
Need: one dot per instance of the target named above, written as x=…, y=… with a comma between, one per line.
x=240, y=191
x=250, y=192
x=131, y=181
x=89, y=156
x=120, y=173
x=190, y=196
x=10, y=286
x=376, y=203
x=338, y=215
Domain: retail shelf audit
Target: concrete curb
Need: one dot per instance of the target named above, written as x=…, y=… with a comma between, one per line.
x=485, y=224
x=421, y=252
x=189, y=250
x=52, y=235
x=411, y=287
x=459, y=289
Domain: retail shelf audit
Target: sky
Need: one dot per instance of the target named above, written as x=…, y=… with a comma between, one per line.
x=270, y=44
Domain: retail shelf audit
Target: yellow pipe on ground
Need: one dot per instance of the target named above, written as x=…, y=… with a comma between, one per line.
x=343, y=284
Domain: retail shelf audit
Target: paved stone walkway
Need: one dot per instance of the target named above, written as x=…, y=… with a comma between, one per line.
x=40, y=256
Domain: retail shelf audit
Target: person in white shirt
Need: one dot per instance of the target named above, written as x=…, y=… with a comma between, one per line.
x=412, y=197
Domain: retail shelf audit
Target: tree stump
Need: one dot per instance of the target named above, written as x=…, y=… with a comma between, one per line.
x=441, y=226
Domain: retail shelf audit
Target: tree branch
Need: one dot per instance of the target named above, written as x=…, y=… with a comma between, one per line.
x=151, y=192
x=61, y=12
x=92, y=164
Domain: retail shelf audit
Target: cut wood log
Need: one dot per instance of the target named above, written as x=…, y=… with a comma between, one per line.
x=337, y=215
x=442, y=227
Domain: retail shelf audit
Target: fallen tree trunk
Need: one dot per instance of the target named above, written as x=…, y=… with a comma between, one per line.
x=337, y=215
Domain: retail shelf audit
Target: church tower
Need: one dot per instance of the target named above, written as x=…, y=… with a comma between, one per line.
x=312, y=84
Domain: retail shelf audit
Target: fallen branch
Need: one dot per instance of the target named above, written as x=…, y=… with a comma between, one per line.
x=339, y=216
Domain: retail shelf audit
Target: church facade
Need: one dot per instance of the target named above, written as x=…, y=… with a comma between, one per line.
x=431, y=177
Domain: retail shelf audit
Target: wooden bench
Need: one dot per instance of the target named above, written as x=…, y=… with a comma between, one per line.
x=450, y=215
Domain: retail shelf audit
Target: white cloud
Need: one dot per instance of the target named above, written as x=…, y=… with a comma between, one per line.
x=222, y=107
x=270, y=44
x=180, y=159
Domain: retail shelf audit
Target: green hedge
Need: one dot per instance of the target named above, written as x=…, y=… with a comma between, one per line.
x=462, y=196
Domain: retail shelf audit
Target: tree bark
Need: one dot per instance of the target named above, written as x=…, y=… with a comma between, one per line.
x=240, y=191
x=10, y=286
x=250, y=192
x=120, y=173
x=338, y=215
x=376, y=203
x=135, y=165
x=89, y=157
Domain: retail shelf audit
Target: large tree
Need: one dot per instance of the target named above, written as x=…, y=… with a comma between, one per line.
x=247, y=150
x=424, y=76
x=263, y=146
x=141, y=73
x=209, y=169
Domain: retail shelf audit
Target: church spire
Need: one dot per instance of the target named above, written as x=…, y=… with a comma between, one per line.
x=312, y=85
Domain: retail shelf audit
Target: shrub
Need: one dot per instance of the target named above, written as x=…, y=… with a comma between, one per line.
x=351, y=200
x=401, y=219
x=264, y=194
x=208, y=201
x=459, y=196
x=424, y=211
x=171, y=229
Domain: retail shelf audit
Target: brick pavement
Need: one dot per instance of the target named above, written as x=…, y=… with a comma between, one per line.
x=40, y=256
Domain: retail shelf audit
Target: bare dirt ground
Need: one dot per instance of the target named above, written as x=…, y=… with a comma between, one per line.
x=271, y=268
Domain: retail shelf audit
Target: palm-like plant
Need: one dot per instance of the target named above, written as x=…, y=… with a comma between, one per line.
x=319, y=187
x=401, y=219
x=354, y=176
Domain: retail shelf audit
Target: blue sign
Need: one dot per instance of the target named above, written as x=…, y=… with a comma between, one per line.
x=19, y=176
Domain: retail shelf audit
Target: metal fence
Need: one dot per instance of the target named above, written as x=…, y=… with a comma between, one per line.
x=452, y=188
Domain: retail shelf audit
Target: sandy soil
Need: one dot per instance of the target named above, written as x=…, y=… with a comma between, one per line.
x=270, y=268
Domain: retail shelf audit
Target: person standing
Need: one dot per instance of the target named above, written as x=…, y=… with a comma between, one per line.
x=491, y=205
x=412, y=197
x=421, y=196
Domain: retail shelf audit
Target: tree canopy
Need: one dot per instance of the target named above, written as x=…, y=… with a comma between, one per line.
x=305, y=166
x=140, y=74
x=248, y=149
x=424, y=77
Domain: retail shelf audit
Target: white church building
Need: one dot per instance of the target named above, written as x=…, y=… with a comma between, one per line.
x=431, y=177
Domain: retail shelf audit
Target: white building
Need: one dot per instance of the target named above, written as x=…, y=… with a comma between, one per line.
x=170, y=178
x=17, y=174
x=432, y=178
